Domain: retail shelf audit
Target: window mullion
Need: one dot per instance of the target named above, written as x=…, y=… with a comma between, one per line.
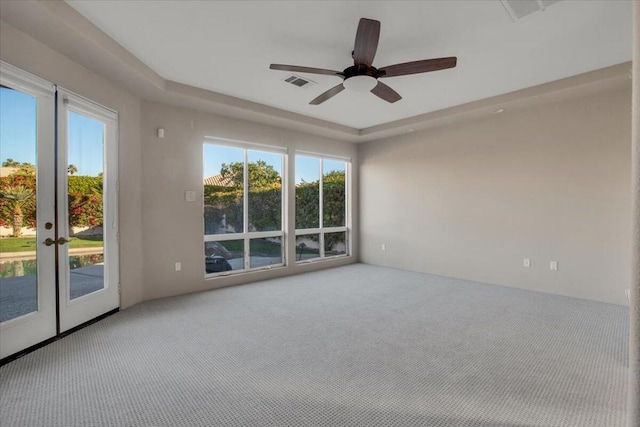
x=347, y=183
x=305, y=231
x=334, y=229
x=265, y=234
x=284, y=203
x=321, y=208
x=321, y=197
x=321, y=241
x=245, y=207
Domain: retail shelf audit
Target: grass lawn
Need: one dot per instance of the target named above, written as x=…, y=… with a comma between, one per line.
x=257, y=247
x=25, y=244
x=261, y=247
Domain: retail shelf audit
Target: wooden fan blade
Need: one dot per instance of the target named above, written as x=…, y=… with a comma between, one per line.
x=366, y=42
x=385, y=92
x=298, y=69
x=416, y=67
x=328, y=94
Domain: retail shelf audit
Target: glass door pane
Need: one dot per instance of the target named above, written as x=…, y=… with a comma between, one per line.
x=85, y=173
x=307, y=246
x=333, y=193
x=223, y=189
x=307, y=192
x=265, y=251
x=18, y=201
x=223, y=256
x=264, y=172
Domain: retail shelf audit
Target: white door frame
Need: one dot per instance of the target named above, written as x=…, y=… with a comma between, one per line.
x=74, y=312
x=33, y=328
x=52, y=316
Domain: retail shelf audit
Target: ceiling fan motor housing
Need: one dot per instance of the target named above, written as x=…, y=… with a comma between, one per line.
x=362, y=70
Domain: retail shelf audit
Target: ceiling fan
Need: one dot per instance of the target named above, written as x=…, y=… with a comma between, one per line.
x=363, y=76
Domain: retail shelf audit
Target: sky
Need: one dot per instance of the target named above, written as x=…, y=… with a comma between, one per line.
x=18, y=134
x=17, y=126
x=86, y=135
x=307, y=168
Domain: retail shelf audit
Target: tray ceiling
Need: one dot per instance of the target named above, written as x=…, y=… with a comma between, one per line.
x=226, y=47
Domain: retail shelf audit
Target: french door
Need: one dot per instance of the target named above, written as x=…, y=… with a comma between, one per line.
x=58, y=207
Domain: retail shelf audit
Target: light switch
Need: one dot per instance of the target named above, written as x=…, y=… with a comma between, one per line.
x=190, y=196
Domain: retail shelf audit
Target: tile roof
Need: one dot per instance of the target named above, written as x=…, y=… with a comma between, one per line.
x=7, y=170
x=218, y=180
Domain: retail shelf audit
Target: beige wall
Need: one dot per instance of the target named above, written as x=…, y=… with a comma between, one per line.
x=172, y=227
x=471, y=200
x=24, y=52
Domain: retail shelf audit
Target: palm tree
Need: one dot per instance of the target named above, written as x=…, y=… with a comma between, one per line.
x=17, y=198
x=72, y=169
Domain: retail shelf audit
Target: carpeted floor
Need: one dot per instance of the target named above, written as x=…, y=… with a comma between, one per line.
x=352, y=346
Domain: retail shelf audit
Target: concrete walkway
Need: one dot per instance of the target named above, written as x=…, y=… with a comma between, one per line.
x=19, y=296
x=11, y=256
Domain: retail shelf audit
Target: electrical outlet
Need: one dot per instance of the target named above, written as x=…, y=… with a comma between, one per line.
x=526, y=262
x=178, y=266
x=553, y=266
x=383, y=247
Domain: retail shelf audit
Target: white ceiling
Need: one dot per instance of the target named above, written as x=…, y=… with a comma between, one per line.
x=226, y=47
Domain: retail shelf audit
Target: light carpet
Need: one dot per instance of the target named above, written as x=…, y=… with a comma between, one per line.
x=353, y=346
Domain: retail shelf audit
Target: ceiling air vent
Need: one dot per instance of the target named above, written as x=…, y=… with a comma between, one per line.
x=520, y=8
x=547, y=3
x=298, y=81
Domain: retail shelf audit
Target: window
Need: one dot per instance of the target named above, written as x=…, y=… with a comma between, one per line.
x=321, y=208
x=243, y=207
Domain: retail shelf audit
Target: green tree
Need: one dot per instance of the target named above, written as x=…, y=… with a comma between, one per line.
x=261, y=174
x=333, y=186
x=72, y=170
x=26, y=169
x=17, y=198
x=6, y=206
x=23, y=168
x=10, y=163
x=85, y=200
x=307, y=205
x=308, y=201
x=84, y=184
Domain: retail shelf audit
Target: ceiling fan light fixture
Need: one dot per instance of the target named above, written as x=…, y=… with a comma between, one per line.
x=360, y=83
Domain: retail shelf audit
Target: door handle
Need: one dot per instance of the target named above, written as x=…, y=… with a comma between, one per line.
x=49, y=241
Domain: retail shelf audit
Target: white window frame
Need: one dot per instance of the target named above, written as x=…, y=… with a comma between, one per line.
x=246, y=235
x=322, y=230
